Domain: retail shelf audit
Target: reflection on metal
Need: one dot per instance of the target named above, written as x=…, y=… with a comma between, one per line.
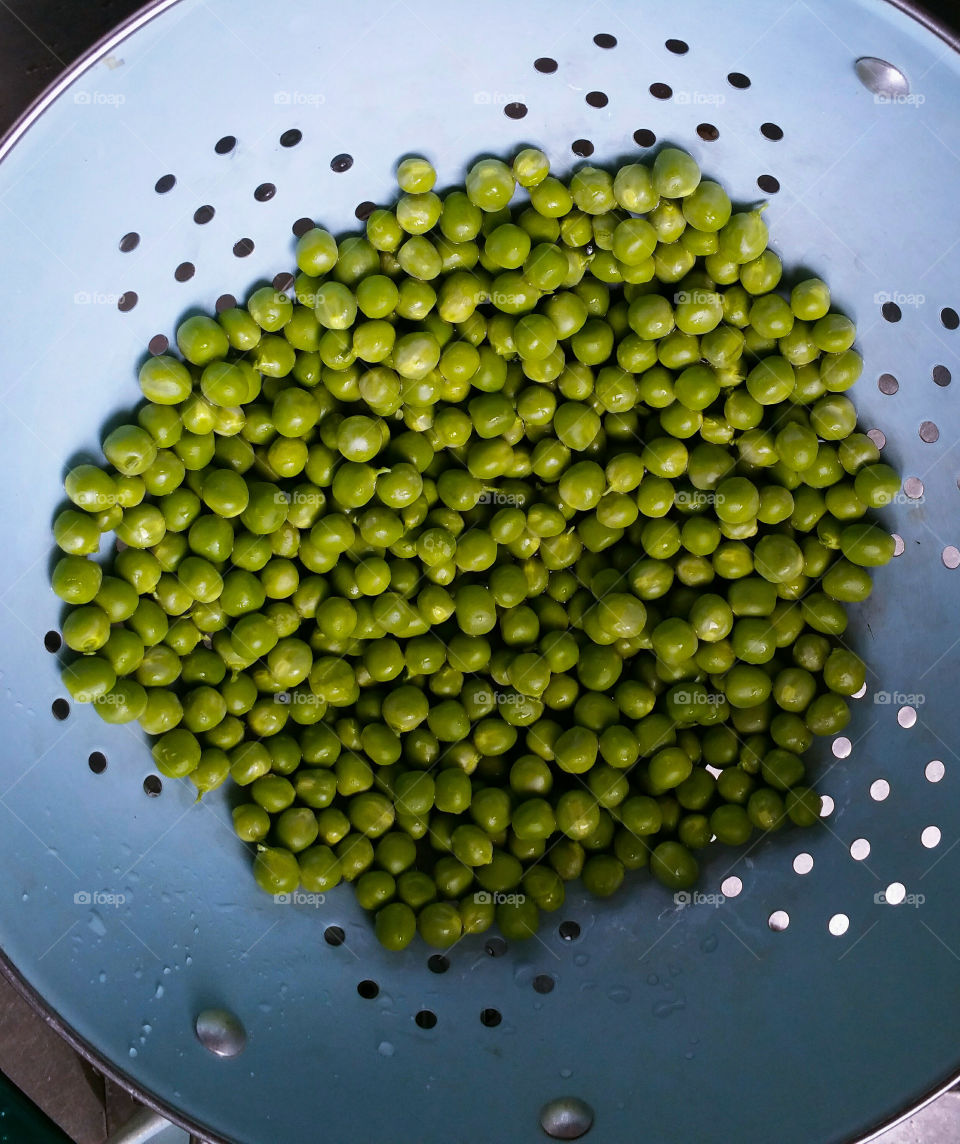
x=566, y=1118
x=882, y=78
x=221, y=1032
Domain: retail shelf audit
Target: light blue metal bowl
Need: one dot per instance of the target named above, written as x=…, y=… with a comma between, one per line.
x=805, y=1008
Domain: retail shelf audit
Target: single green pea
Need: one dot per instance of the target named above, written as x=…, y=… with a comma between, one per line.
x=672, y=864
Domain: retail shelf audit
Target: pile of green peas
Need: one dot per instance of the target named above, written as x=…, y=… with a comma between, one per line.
x=512, y=546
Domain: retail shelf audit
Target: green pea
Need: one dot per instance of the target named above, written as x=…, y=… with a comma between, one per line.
x=672, y=864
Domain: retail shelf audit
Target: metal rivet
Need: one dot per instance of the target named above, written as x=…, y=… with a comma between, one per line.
x=913, y=487
x=221, y=1032
x=881, y=78
x=898, y=545
x=778, y=921
x=929, y=433
x=878, y=437
x=803, y=863
x=566, y=1118
x=951, y=557
x=887, y=384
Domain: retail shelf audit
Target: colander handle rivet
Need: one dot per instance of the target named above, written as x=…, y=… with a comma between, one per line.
x=566, y=1118
x=882, y=78
x=221, y=1032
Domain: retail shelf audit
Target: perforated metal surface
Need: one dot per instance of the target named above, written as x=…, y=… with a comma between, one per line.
x=802, y=1006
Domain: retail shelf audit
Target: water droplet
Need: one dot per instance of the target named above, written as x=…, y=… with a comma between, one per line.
x=538, y=1005
x=147, y=1028
x=675, y=971
x=665, y=1008
x=588, y=986
x=166, y=969
x=709, y=943
x=159, y=991
x=566, y=1073
x=385, y=1049
x=688, y=1056
x=188, y=960
x=102, y=977
x=581, y=958
x=619, y=993
x=138, y=973
x=132, y=1050
x=264, y=1007
x=96, y=923
x=652, y=979
x=24, y=897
